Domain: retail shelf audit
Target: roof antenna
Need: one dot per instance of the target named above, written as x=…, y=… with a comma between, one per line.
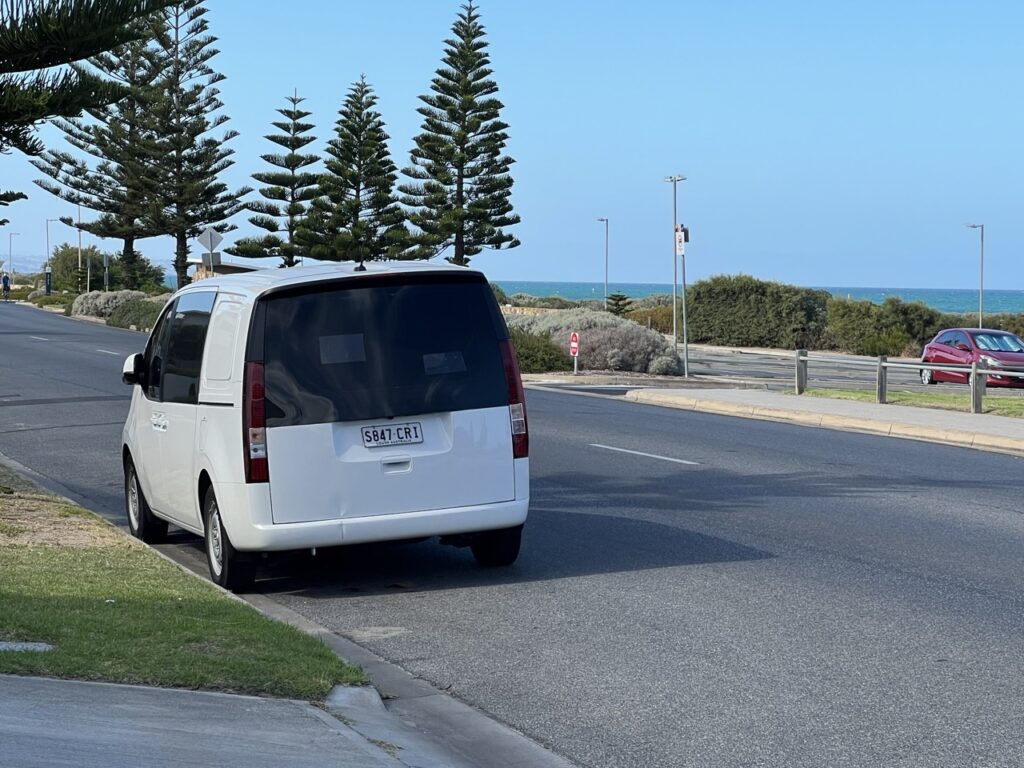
x=360, y=267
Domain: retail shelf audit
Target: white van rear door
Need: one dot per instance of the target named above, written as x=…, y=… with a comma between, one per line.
x=325, y=471
x=385, y=396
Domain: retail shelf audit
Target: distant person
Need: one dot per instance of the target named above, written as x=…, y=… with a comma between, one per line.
x=7, y=286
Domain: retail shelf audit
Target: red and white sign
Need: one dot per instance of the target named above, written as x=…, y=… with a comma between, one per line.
x=574, y=344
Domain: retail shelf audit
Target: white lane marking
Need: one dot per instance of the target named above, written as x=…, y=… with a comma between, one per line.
x=648, y=455
x=38, y=338
x=108, y=352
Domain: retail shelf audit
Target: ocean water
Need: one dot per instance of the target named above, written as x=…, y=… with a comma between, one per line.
x=942, y=299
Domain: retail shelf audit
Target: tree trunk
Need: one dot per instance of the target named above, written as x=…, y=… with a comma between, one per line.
x=181, y=259
x=129, y=264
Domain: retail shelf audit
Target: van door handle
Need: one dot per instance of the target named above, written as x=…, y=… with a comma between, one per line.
x=396, y=465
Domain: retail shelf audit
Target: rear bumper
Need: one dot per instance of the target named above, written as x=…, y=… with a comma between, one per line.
x=268, y=537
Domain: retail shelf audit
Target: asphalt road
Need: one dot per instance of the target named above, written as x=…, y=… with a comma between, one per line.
x=788, y=597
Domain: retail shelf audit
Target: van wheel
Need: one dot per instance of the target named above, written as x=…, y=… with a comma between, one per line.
x=229, y=568
x=142, y=523
x=497, y=548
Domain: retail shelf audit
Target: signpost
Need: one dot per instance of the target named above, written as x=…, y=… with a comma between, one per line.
x=210, y=239
x=574, y=350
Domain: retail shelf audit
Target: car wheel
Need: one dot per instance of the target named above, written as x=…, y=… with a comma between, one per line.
x=926, y=376
x=229, y=568
x=142, y=523
x=497, y=548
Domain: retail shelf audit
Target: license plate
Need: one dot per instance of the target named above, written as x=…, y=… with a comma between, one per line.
x=392, y=434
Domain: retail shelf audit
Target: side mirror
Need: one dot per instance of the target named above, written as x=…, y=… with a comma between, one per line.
x=963, y=347
x=134, y=370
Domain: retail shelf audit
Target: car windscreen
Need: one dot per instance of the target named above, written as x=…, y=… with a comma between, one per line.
x=381, y=347
x=998, y=342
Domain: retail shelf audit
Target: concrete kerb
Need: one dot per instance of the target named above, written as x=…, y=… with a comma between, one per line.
x=960, y=438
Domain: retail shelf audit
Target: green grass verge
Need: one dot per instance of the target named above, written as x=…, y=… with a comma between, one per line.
x=116, y=611
x=994, y=404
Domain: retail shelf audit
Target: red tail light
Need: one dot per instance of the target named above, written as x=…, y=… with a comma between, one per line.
x=254, y=425
x=516, y=402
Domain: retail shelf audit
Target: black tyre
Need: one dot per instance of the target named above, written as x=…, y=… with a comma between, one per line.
x=493, y=549
x=926, y=376
x=142, y=523
x=231, y=569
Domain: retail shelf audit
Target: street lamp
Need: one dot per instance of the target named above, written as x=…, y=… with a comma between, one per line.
x=48, y=256
x=981, y=273
x=674, y=180
x=10, y=254
x=601, y=218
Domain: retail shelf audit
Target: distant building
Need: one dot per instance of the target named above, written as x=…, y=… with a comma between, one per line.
x=201, y=272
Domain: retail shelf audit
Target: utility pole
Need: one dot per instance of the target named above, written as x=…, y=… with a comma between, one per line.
x=981, y=275
x=674, y=180
x=601, y=218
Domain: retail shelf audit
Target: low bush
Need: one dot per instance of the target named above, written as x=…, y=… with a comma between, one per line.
x=654, y=300
x=741, y=311
x=499, y=294
x=142, y=313
x=538, y=354
x=21, y=294
x=890, y=328
x=546, y=302
x=657, y=317
x=54, y=300
x=606, y=341
x=103, y=303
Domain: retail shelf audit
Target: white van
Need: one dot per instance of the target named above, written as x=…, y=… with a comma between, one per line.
x=321, y=406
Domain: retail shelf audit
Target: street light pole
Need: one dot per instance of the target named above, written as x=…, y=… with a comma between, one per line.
x=48, y=257
x=601, y=218
x=10, y=254
x=981, y=275
x=674, y=180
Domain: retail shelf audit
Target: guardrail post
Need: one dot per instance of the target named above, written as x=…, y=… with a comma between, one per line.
x=801, y=371
x=881, y=380
x=978, y=379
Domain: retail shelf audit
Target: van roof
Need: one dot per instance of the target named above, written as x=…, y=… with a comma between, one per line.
x=259, y=281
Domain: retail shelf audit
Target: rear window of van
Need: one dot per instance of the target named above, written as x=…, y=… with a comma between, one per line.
x=380, y=347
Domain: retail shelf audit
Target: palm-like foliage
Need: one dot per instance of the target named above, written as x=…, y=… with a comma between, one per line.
x=461, y=183
x=356, y=216
x=288, y=192
x=37, y=35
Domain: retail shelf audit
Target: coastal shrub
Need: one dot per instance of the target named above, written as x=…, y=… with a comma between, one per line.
x=891, y=328
x=654, y=300
x=657, y=317
x=499, y=294
x=1003, y=321
x=142, y=313
x=537, y=353
x=53, y=300
x=740, y=311
x=606, y=341
x=545, y=302
x=103, y=303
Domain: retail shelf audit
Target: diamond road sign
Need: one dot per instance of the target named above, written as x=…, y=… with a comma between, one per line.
x=210, y=239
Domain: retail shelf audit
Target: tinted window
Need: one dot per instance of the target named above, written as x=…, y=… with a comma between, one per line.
x=155, y=353
x=382, y=347
x=948, y=339
x=185, y=341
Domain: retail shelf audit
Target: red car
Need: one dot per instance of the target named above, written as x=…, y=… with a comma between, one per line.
x=963, y=346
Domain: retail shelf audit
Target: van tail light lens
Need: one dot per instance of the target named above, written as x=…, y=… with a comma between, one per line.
x=254, y=425
x=516, y=402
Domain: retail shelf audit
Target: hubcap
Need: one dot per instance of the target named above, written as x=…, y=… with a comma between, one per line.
x=133, y=501
x=214, y=543
x=926, y=376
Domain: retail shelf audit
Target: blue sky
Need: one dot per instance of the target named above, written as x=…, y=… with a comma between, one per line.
x=841, y=144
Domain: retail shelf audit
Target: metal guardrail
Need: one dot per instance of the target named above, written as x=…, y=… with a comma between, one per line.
x=977, y=374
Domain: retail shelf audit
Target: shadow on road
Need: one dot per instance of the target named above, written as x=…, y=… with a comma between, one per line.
x=557, y=545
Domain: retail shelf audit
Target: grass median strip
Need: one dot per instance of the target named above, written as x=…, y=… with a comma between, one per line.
x=994, y=404
x=114, y=610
